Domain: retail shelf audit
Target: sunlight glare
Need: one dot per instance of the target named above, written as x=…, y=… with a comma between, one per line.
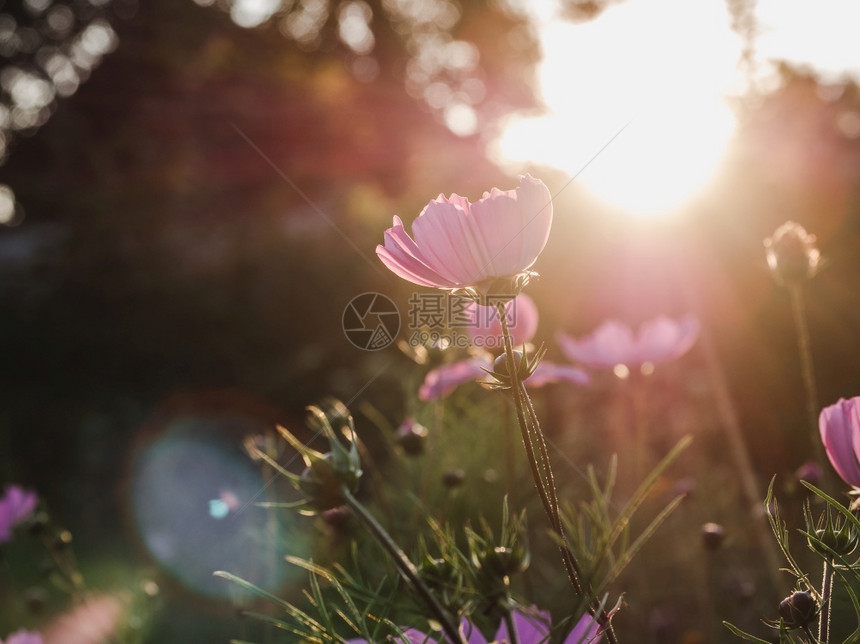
x=649, y=92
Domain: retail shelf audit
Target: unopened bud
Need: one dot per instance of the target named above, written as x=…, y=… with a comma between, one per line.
x=713, y=535
x=439, y=574
x=505, y=562
x=792, y=254
x=453, y=478
x=411, y=437
x=798, y=609
x=323, y=484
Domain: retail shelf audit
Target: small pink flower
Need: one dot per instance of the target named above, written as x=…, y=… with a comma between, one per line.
x=23, y=637
x=15, y=506
x=485, y=329
x=840, y=433
x=614, y=343
x=445, y=379
x=458, y=244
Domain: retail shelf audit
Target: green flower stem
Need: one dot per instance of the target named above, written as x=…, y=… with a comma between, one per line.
x=824, y=617
x=405, y=566
x=807, y=370
x=543, y=477
x=513, y=636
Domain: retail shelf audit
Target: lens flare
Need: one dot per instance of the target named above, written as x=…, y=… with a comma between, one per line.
x=193, y=496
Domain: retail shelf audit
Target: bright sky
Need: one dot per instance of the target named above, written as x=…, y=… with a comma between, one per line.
x=654, y=74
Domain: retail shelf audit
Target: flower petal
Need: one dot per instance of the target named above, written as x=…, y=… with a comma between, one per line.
x=664, y=339
x=441, y=381
x=611, y=344
x=403, y=257
x=514, y=225
x=532, y=627
x=586, y=631
x=549, y=372
x=839, y=425
x=446, y=237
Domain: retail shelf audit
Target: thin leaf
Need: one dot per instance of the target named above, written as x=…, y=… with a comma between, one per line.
x=744, y=635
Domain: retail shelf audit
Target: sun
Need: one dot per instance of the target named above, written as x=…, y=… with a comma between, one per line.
x=635, y=103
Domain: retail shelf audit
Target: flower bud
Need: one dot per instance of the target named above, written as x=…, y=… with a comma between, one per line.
x=327, y=477
x=505, y=562
x=798, y=609
x=713, y=535
x=500, y=366
x=411, y=437
x=439, y=574
x=523, y=364
x=792, y=254
x=453, y=478
x=323, y=484
x=833, y=534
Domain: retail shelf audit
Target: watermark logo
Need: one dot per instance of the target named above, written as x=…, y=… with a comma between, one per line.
x=371, y=321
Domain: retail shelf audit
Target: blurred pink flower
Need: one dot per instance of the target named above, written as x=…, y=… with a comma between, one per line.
x=445, y=379
x=459, y=244
x=15, y=506
x=532, y=628
x=23, y=637
x=613, y=343
x=549, y=372
x=485, y=329
x=840, y=433
x=97, y=619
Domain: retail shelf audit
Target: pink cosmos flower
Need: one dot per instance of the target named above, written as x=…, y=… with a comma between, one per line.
x=485, y=328
x=15, y=506
x=840, y=433
x=532, y=628
x=613, y=343
x=458, y=244
x=23, y=637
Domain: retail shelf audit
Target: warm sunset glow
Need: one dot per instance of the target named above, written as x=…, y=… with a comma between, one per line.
x=649, y=91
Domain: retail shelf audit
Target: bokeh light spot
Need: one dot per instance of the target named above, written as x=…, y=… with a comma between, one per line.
x=461, y=119
x=193, y=496
x=7, y=205
x=621, y=371
x=253, y=13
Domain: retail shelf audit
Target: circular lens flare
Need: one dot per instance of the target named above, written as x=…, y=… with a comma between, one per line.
x=193, y=496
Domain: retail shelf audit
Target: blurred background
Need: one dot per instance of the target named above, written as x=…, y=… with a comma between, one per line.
x=192, y=191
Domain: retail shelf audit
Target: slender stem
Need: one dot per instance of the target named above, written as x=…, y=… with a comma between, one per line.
x=824, y=617
x=405, y=566
x=807, y=370
x=521, y=420
x=543, y=476
x=513, y=636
